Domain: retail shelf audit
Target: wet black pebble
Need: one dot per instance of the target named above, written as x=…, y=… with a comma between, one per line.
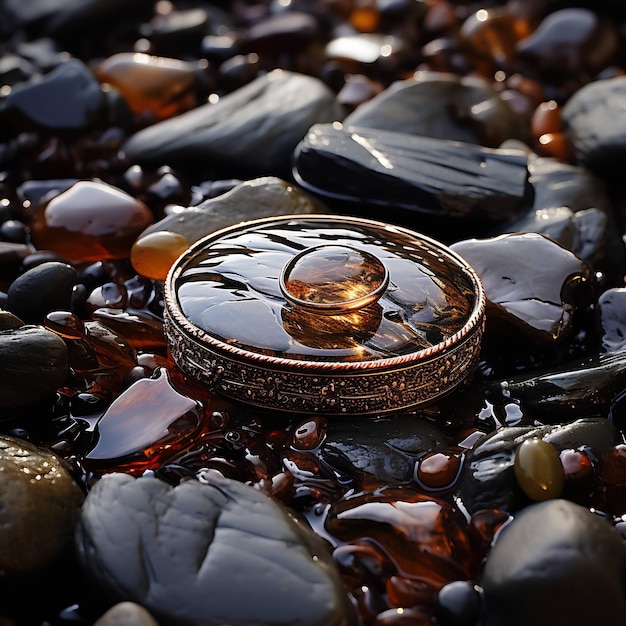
x=42, y=289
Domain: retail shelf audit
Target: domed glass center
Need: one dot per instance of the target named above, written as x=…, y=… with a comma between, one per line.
x=333, y=279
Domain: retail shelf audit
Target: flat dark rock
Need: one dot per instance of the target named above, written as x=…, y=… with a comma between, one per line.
x=207, y=553
x=555, y=563
x=393, y=169
x=254, y=129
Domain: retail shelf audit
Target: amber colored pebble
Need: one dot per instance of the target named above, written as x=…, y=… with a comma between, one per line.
x=403, y=591
x=153, y=255
x=556, y=145
x=438, y=470
x=165, y=87
x=489, y=37
x=365, y=17
x=309, y=434
x=538, y=469
x=546, y=119
x=89, y=222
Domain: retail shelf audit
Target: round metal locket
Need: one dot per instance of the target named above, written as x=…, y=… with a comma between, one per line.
x=324, y=314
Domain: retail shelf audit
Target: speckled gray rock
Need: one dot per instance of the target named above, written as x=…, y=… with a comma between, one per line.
x=33, y=362
x=253, y=199
x=555, y=563
x=39, y=507
x=594, y=119
x=207, y=553
x=253, y=130
x=488, y=479
x=443, y=106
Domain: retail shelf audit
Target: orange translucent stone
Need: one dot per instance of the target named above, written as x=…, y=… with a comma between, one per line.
x=162, y=86
x=424, y=537
x=546, y=119
x=489, y=37
x=145, y=424
x=556, y=145
x=403, y=591
x=365, y=18
x=89, y=222
x=438, y=470
x=153, y=254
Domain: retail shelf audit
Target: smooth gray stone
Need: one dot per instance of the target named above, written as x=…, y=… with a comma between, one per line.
x=34, y=364
x=254, y=129
x=488, y=478
x=594, y=119
x=39, y=507
x=442, y=106
x=391, y=169
x=253, y=199
x=555, y=563
x=207, y=553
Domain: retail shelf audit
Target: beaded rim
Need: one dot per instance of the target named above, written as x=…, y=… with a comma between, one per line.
x=474, y=322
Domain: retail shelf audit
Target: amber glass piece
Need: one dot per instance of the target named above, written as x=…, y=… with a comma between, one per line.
x=365, y=17
x=556, y=145
x=546, y=119
x=140, y=329
x=309, y=434
x=438, y=470
x=153, y=254
x=89, y=222
x=162, y=86
x=147, y=423
x=403, y=591
x=94, y=347
x=424, y=537
x=489, y=37
x=538, y=469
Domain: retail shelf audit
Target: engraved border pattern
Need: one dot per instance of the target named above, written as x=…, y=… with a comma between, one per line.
x=405, y=387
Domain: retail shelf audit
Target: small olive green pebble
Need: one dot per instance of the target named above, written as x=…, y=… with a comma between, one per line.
x=539, y=470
